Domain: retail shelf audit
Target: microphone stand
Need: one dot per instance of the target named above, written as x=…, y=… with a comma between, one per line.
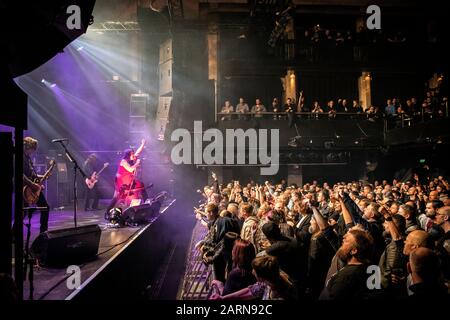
x=76, y=168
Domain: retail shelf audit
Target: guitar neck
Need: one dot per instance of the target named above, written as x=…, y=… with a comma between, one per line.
x=101, y=170
x=46, y=174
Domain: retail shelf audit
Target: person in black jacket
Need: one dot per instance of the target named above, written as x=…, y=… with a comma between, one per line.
x=214, y=246
x=284, y=248
x=369, y=219
x=321, y=252
x=393, y=261
x=427, y=282
x=350, y=282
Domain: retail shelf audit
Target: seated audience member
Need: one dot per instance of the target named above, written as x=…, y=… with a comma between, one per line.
x=258, y=108
x=227, y=108
x=242, y=108
x=356, y=107
x=276, y=108
x=316, y=108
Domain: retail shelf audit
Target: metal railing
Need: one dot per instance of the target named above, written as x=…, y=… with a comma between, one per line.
x=396, y=120
x=285, y=115
x=198, y=276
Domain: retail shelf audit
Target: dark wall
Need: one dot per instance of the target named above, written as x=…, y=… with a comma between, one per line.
x=402, y=85
x=323, y=86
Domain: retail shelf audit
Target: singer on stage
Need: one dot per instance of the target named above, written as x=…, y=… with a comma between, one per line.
x=127, y=186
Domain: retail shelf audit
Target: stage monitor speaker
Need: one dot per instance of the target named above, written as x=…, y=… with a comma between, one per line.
x=67, y=246
x=142, y=213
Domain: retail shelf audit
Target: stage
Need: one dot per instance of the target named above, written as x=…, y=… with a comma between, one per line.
x=126, y=259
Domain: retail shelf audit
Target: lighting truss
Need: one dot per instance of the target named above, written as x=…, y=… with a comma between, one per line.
x=115, y=26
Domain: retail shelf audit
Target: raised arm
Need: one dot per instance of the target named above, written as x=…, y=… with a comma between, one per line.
x=395, y=234
x=140, y=149
x=353, y=210
x=348, y=219
x=321, y=222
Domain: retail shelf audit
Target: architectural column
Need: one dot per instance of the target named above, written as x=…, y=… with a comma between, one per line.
x=295, y=175
x=213, y=64
x=289, y=86
x=364, y=88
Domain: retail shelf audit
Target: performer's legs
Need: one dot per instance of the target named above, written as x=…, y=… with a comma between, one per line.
x=112, y=204
x=42, y=202
x=95, y=197
x=88, y=197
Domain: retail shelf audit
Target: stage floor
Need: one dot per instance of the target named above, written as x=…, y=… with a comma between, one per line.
x=50, y=283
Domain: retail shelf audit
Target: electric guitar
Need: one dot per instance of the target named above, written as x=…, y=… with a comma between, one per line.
x=90, y=182
x=31, y=196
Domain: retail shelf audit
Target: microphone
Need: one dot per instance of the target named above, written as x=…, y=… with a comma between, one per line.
x=60, y=140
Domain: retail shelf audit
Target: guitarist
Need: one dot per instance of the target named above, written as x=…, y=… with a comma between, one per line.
x=29, y=174
x=126, y=176
x=90, y=166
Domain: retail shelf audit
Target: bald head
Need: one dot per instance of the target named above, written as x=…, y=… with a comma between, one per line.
x=445, y=211
x=424, y=265
x=434, y=195
x=416, y=239
x=442, y=215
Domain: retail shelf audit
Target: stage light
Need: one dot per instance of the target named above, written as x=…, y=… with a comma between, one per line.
x=48, y=84
x=115, y=78
x=80, y=48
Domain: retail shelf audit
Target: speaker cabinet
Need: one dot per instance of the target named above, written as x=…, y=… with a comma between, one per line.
x=142, y=213
x=64, y=247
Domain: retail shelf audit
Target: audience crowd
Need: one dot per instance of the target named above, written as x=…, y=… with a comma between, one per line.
x=351, y=240
x=433, y=106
